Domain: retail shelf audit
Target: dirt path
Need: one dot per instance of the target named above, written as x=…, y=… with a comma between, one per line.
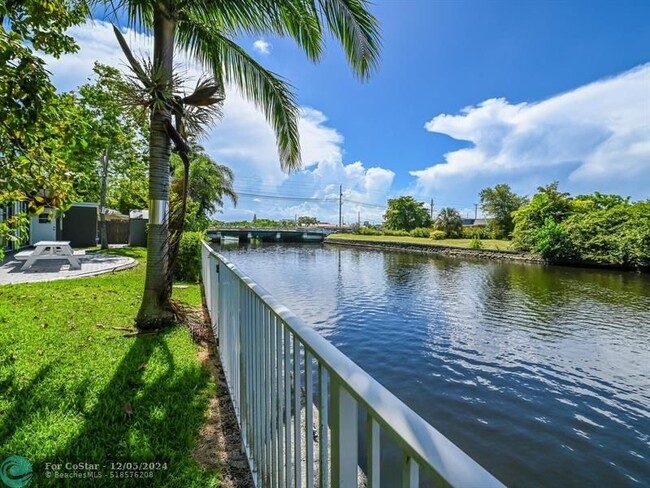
x=219, y=444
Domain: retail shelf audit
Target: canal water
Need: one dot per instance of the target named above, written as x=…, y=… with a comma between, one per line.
x=541, y=374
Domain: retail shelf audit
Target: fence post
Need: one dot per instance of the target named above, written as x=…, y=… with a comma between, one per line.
x=345, y=437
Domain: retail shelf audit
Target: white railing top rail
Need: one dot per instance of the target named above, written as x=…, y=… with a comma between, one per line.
x=418, y=438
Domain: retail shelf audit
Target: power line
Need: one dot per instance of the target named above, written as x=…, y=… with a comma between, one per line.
x=286, y=197
x=309, y=199
x=252, y=183
x=374, y=205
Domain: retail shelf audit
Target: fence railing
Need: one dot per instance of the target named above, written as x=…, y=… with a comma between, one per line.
x=298, y=399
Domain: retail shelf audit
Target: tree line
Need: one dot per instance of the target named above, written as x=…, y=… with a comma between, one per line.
x=595, y=228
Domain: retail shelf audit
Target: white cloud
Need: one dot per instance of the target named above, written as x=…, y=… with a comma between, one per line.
x=596, y=137
x=98, y=43
x=244, y=141
x=262, y=47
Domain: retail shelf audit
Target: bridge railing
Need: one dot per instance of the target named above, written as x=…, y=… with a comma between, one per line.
x=298, y=398
x=267, y=229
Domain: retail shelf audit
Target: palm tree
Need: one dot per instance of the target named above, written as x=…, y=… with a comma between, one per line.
x=449, y=221
x=203, y=183
x=208, y=182
x=205, y=29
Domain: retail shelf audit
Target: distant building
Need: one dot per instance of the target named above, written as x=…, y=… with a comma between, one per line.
x=474, y=222
x=326, y=226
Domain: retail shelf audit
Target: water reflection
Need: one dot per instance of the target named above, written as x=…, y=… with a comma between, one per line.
x=540, y=373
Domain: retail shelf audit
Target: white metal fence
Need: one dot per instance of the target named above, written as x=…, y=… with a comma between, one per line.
x=297, y=398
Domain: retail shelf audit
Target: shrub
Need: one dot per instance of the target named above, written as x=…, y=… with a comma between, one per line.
x=420, y=232
x=470, y=232
x=476, y=243
x=552, y=241
x=619, y=234
x=188, y=263
x=437, y=235
x=547, y=203
x=399, y=233
x=369, y=231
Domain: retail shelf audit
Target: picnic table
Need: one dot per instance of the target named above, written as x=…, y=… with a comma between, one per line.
x=50, y=250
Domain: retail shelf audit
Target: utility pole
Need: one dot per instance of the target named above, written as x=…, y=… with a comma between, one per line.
x=358, y=218
x=103, y=236
x=475, y=212
x=432, y=209
x=340, y=206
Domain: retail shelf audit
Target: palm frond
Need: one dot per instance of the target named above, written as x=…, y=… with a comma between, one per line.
x=232, y=64
x=297, y=19
x=134, y=65
x=228, y=178
x=357, y=30
x=207, y=92
x=138, y=14
x=150, y=88
x=198, y=119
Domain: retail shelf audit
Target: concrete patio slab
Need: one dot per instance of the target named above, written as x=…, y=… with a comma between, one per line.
x=91, y=264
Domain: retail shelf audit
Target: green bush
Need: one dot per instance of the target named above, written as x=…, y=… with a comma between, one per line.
x=476, y=243
x=470, y=232
x=547, y=203
x=619, y=234
x=420, y=232
x=188, y=263
x=552, y=241
x=399, y=233
x=437, y=235
x=596, y=228
x=369, y=231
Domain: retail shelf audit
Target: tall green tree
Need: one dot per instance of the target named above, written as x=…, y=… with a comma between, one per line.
x=450, y=222
x=548, y=206
x=307, y=220
x=406, y=213
x=499, y=203
x=206, y=29
x=117, y=146
x=598, y=201
x=30, y=118
x=208, y=185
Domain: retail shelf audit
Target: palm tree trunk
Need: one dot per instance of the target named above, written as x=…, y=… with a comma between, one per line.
x=155, y=310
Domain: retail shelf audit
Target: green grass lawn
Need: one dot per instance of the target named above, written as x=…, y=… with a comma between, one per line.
x=68, y=381
x=490, y=244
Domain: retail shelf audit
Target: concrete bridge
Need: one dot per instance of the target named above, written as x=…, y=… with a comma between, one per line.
x=265, y=234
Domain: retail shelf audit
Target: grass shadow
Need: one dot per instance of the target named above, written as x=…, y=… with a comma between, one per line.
x=130, y=252
x=26, y=399
x=151, y=411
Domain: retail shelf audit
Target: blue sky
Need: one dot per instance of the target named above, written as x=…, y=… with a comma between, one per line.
x=468, y=94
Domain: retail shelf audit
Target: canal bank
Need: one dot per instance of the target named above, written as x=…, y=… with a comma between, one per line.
x=433, y=249
x=437, y=250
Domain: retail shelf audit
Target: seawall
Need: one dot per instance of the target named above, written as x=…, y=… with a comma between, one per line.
x=463, y=252
x=433, y=249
